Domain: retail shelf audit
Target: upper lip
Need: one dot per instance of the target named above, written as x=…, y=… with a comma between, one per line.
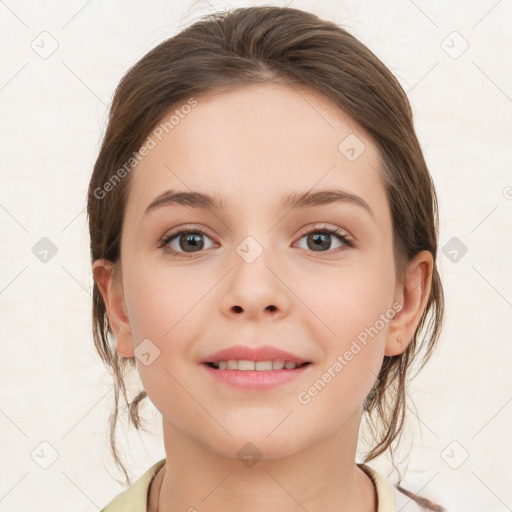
x=246, y=353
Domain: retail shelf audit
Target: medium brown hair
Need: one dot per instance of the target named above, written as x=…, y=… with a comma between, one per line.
x=281, y=45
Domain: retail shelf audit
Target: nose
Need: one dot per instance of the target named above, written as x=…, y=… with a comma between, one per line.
x=255, y=290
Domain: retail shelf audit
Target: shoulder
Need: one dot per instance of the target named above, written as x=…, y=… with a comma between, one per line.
x=405, y=504
x=134, y=499
x=390, y=498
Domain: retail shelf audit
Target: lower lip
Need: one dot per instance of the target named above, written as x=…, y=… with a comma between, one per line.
x=255, y=380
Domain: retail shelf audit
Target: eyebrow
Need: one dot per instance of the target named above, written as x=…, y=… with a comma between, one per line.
x=293, y=201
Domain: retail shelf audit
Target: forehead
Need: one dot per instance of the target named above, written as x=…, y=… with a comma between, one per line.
x=253, y=144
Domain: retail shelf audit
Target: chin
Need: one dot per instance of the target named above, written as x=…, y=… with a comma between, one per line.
x=255, y=441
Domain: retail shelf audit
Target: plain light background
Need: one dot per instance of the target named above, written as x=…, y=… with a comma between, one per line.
x=453, y=60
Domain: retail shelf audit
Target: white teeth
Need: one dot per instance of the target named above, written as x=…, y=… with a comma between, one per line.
x=246, y=365
x=260, y=366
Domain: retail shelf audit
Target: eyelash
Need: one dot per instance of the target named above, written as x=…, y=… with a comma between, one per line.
x=346, y=239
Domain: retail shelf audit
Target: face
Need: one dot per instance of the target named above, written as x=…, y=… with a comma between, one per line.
x=258, y=267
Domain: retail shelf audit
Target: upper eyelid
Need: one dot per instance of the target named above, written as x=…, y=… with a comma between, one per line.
x=185, y=229
x=325, y=226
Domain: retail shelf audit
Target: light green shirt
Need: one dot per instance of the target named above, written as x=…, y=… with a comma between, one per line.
x=134, y=499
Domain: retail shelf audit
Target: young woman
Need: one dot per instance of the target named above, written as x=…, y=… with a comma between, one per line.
x=263, y=238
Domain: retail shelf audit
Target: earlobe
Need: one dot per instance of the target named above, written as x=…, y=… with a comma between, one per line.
x=113, y=297
x=413, y=297
x=395, y=347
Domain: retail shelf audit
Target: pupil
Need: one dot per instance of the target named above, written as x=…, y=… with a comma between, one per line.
x=320, y=240
x=194, y=240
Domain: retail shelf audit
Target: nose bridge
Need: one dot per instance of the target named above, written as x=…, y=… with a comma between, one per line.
x=254, y=287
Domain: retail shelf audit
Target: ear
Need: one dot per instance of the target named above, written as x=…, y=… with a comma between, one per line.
x=112, y=292
x=413, y=297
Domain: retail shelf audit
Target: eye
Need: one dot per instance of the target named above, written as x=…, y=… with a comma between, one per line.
x=185, y=241
x=320, y=240
x=190, y=240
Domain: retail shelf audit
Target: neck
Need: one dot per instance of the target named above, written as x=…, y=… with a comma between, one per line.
x=323, y=477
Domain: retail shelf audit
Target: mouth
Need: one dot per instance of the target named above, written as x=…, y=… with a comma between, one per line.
x=255, y=376
x=259, y=366
x=253, y=369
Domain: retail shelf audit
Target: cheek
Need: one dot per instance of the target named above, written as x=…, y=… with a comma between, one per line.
x=166, y=311
x=163, y=308
x=159, y=303
x=352, y=309
x=348, y=300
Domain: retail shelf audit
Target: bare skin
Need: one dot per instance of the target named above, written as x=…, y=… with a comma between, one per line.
x=252, y=146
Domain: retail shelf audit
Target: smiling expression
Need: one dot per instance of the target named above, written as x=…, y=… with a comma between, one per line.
x=250, y=225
